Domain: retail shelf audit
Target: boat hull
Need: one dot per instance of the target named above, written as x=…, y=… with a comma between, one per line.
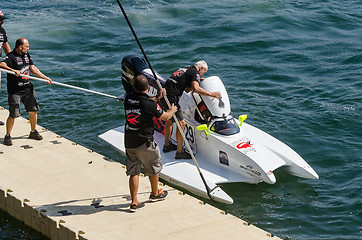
x=227, y=150
x=182, y=173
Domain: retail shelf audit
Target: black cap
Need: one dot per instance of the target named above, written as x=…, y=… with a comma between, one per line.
x=2, y=16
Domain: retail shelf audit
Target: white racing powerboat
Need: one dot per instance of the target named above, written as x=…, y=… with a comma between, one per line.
x=227, y=150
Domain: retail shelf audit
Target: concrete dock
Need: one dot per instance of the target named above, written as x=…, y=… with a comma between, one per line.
x=66, y=191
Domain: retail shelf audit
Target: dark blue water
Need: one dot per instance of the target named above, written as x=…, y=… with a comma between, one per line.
x=295, y=67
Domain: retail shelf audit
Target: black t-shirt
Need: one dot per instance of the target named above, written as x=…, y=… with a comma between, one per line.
x=3, y=38
x=180, y=80
x=139, y=112
x=18, y=62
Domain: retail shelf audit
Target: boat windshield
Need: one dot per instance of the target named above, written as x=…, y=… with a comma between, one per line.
x=225, y=126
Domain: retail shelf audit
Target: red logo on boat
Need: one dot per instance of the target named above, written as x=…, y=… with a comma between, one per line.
x=244, y=145
x=132, y=118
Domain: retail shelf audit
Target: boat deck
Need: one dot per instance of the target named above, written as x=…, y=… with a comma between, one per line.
x=66, y=191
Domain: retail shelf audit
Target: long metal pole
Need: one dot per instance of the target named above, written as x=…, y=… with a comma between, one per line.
x=63, y=85
x=208, y=190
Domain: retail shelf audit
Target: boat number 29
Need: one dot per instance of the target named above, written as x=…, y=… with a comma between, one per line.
x=189, y=133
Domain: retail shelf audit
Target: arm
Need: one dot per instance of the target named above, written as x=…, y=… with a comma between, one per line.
x=169, y=113
x=195, y=87
x=37, y=73
x=6, y=48
x=161, y=94
x=5, y=66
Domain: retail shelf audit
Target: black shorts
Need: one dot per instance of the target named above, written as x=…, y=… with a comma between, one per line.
x=179, y=115
x=28, y=98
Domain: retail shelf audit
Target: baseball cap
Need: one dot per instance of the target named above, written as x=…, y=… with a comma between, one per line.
x=2, y=16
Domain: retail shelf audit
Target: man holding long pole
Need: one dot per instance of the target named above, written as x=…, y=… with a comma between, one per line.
x=3, y=41
x=20, y=88
x=3, y=37
x=141, y=149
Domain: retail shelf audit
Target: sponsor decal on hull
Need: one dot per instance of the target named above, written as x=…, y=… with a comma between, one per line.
x=249, y=169
x=244, y=145
x=223, y=158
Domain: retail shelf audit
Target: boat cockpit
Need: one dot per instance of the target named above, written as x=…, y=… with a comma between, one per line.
x=225, y=125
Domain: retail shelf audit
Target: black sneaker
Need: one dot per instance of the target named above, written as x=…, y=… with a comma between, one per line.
x=159, y=197
x=136, y=207
x=7, y=140
x=2, y=123
x=182, y=155
x=169, y=148
x=35, y=135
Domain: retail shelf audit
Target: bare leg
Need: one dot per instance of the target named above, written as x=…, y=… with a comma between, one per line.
x=154, y=184
x=9, y=124
x=133, y=187
x=168, y=131
x=179, y=138
x=33, y=118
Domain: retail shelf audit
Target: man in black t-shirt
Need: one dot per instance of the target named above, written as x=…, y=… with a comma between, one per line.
x=141, y=149
x=3, y=41
x=184, y=79
x=3, y=37
x=20, y=88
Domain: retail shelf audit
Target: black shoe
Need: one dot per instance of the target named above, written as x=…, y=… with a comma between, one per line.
x=2, y=123
x=159, y=197
x=136, y=207
x=182, y=155
x=7, y=140
x=169, y=148
x=35, y=135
